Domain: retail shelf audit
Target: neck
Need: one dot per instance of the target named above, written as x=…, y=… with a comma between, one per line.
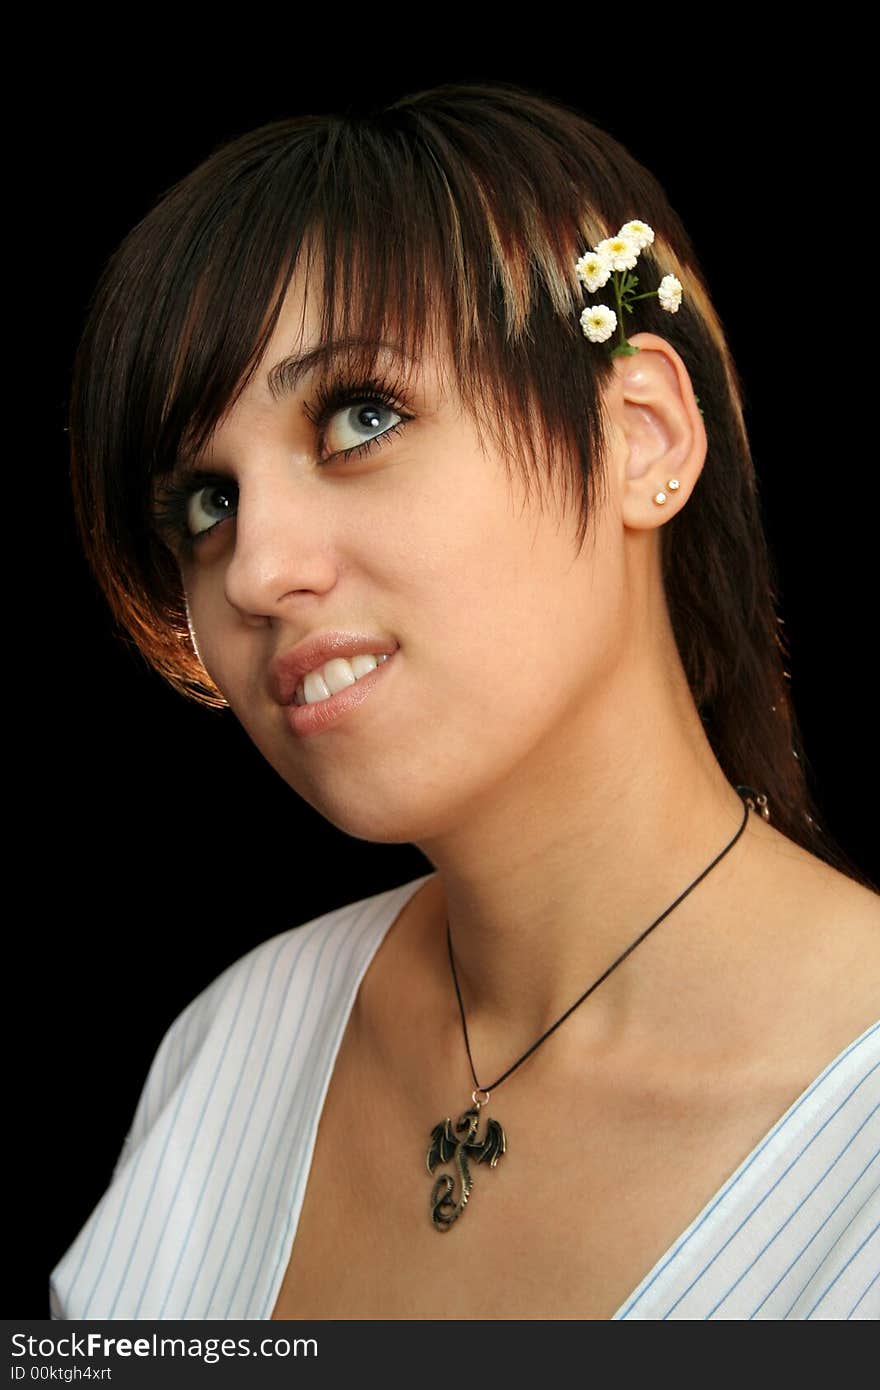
x=557, y=872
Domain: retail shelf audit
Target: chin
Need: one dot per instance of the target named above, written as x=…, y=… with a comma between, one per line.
x=379, y=824
x=381, y=816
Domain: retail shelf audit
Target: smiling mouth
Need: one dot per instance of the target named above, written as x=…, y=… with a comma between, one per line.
x=334, y=676
x=326, y=712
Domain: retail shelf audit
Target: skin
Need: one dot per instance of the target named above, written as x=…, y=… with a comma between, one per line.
x=537, y=739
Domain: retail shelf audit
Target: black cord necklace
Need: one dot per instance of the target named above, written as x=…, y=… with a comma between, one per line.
x=445, y=1147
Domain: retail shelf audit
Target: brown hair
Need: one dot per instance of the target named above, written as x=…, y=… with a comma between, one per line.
x=464, y=206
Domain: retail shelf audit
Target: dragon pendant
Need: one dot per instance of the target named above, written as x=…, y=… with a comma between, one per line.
x=445, y=1147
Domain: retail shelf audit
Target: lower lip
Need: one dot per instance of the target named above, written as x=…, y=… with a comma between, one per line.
x=313, y=719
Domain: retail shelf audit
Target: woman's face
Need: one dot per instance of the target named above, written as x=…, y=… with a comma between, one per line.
x=506, y=637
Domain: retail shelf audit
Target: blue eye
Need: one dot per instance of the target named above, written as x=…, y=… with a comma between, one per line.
x=187, y=511
x=178, y=505
x=213, y=501
x=362, y=403
x=364, y=416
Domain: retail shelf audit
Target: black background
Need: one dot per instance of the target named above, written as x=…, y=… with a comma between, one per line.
x=159, y=846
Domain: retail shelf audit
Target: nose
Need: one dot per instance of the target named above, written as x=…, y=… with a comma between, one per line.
x=283, y=544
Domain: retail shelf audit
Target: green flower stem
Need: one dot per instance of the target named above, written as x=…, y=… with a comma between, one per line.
x=621, y=293
x=619, y=298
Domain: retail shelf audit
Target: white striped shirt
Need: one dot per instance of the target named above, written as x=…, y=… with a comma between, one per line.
x=201, y=1213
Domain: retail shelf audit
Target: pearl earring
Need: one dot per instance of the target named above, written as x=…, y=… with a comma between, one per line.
x=673, y=485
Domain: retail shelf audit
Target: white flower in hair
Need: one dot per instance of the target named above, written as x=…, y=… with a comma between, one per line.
x=622, y=251
x=669, y=294
x=594, y=270
x=616, y=256
x=598, y=322
x=639, y=232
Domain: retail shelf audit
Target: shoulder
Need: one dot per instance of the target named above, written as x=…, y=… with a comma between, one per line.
x=845, y=946
x=840, y=923
x=824, y=903
x=290, y=988
x=232, y=1088
x=816, y=936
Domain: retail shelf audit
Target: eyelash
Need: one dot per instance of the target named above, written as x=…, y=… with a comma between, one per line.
x=172, y=504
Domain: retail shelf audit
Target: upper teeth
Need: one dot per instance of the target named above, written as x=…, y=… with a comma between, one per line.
x=334, y=676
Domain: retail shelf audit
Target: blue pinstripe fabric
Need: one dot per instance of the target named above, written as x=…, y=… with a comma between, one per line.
x=200, y=1215
x=793, y=1231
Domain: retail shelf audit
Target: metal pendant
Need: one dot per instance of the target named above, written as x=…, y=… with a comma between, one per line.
x=452, y=1144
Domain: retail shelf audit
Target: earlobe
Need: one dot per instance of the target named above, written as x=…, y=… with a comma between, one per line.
x=665, y=441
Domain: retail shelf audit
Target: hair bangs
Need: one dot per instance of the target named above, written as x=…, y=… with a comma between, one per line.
x=407, y=254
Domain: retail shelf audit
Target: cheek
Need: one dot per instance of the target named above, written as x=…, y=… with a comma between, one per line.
x=515, y=647
x=222, y=644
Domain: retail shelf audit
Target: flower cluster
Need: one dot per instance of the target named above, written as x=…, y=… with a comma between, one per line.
x=616, y=256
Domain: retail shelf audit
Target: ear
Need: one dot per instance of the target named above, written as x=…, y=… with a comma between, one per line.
x=652, y=405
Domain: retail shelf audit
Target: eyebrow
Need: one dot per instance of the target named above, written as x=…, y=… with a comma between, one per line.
x=284, y=378
x=286, y=375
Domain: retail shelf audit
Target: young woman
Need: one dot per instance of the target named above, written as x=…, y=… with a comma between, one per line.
x=347, y=459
